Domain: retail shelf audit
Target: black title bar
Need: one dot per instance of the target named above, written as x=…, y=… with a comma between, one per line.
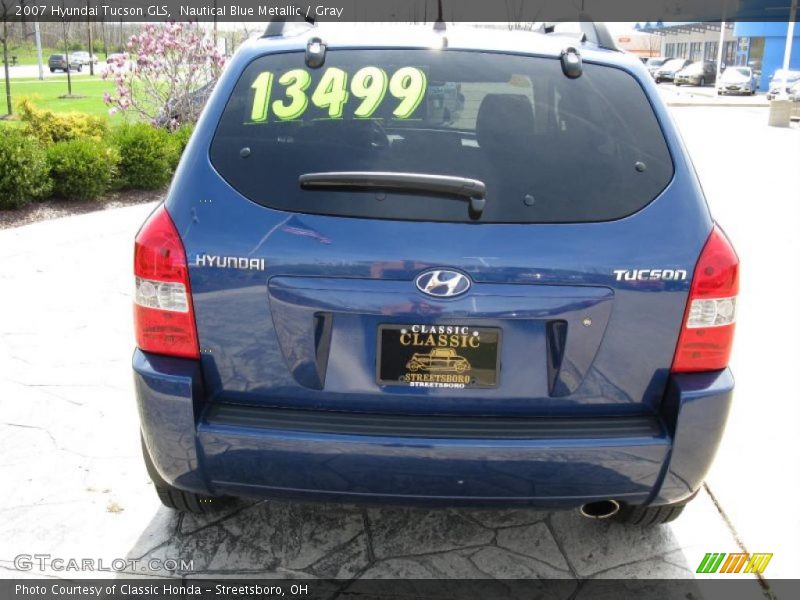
x=413, y=11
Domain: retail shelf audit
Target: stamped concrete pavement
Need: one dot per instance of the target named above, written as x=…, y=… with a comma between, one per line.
x=75, y=485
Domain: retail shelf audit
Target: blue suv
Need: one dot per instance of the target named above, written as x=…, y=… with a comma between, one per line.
x=461, y=267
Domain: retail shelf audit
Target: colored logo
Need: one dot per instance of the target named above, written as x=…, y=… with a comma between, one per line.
x=743, y=562
x=443, y=283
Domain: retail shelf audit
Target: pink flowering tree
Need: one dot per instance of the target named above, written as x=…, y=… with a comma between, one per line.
x=165, y=75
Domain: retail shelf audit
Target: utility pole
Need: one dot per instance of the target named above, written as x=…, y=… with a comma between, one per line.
x=215, y=24
x=719, y=48
x=91, y=47
x=5, y=59
x=721, y=39
x=39, y=60
x=787, y=52
x=66, y=53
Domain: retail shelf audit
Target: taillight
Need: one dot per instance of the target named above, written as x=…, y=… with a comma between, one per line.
x=707, y=333
x=163, y=315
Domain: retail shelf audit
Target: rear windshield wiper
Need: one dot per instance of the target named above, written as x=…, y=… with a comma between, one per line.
x=462, y=188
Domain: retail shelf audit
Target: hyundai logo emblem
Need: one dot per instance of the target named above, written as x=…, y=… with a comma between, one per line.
x=442, y=283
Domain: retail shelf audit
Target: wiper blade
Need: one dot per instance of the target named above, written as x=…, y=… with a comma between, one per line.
x=462, y=188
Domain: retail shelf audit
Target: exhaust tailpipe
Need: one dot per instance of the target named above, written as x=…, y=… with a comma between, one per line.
x=602, y=509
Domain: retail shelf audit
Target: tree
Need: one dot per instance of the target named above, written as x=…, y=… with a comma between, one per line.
x=515, y=10
x=65, y=29
x=653, y=44
x=159, y=76
x=5, y=8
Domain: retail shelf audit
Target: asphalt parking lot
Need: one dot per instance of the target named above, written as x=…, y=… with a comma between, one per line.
x=75, y=485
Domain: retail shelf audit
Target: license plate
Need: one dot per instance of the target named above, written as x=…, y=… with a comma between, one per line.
x=438, y=356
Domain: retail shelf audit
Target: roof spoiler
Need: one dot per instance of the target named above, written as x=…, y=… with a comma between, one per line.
x=591, y=32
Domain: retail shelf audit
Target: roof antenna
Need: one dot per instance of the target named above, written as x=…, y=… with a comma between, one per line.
x=440, y=26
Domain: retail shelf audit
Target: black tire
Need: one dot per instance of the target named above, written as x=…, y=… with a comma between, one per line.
x=650, y=516
x=52, y=70
x=181, y=500
x=189, y=502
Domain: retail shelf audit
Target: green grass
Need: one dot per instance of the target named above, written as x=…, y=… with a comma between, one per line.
x=45, y=95
x=26, y=54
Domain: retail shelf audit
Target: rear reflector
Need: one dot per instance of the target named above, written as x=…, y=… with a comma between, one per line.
x=163, y=314
x=162, y=295
x=706, y=337
x=711, y=313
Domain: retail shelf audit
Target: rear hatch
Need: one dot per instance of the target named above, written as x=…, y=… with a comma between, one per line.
x=477, y=234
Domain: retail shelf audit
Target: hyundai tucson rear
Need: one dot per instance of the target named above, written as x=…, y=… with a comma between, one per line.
x=352, y=294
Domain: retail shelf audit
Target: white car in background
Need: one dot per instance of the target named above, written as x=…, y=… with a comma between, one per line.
x=84, y=58
x=737, y=80
x=781, y=81
x=794, y=92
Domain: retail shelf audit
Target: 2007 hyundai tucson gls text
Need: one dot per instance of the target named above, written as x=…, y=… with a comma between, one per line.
x=404, y=266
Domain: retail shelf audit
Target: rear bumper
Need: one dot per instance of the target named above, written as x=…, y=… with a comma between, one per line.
x=246, y=451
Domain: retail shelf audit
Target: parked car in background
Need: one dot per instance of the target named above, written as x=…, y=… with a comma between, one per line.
x=699, y=73
x=58, y=62
x=737, y=80
x=654, y=63
x=794, y=97
x=667, y=71
x=794, y=92
x=781, y=82
x=84, y=58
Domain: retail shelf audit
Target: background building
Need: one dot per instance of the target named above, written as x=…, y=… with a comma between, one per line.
x=639, y=42
x=765, y=43
x=758, y=45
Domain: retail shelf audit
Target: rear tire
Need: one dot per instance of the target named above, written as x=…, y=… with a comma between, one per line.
x=181, y=500
x=188, y=501
x=650, y=516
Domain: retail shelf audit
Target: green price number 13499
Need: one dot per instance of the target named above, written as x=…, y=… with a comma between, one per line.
x=369, y=85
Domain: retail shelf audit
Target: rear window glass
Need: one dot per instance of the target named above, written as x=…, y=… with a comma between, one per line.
x=547, y=148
